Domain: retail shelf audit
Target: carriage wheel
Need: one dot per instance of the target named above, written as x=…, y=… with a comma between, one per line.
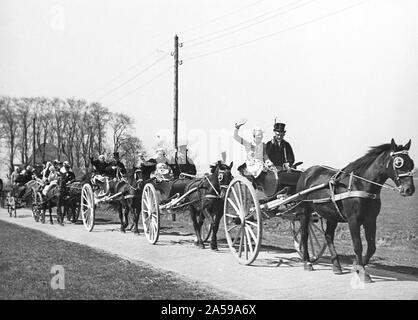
x=242, y=220
x=206, y=229
x=150, y=212
x=87, y=207
x=316, y=239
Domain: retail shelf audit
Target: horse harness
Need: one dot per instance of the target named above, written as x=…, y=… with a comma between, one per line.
x=397, y=163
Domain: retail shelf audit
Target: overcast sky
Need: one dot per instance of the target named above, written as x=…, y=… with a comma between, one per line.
x=342, y=75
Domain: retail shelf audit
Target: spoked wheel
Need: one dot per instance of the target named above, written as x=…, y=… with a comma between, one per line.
x=87, y=207
x=242, y=220
x=150, y=212
x=316, y=239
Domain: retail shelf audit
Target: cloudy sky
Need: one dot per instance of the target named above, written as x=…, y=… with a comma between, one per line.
x=342, y=75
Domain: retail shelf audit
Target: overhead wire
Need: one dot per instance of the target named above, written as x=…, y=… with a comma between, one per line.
x=187, y=30
x=323, y=17
x=190, y=43
x=143, y=85
x=134, y=77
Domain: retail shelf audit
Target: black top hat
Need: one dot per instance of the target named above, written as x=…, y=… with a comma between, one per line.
x=279, y=127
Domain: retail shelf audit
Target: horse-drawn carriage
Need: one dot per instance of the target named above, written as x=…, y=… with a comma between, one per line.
x=349, y=195
x=202, y=195
x=122, y=190
x=18, y=196
x=249, y=201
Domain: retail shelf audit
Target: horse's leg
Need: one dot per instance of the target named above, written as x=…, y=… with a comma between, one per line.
x=358, y=266
x=193, y=214
x=120, y=210
x=126, y=209
x=370, y=233
x=304, y=216
x=329, y=237
x=136, y=213
x=215, y=228
x=50, y=213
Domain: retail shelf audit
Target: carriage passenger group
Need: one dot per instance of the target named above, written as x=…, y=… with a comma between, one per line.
x=268, y=179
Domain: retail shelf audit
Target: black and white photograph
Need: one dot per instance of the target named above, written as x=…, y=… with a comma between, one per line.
x=208, y=156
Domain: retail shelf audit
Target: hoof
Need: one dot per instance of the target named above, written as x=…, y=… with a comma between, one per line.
x=199, y=245
x=365, y=278
x=308, y=266
x=123, y=231
x=214, y=249
x=337, y=270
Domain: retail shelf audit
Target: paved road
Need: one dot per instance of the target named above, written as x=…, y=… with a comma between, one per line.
x=274, y=275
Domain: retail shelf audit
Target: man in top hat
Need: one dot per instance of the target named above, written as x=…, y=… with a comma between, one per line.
x=181, y=163
x=279, y=150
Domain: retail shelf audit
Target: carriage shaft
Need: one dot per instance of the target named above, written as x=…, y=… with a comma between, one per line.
x=177, y=200
x=276, y=203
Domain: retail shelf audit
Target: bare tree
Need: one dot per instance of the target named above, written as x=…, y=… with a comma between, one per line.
x=23, y=109
x=131, y=149
x=59, y=113
x=9, y=126
x=101, y=117
x=121, y=124
x=71, y=145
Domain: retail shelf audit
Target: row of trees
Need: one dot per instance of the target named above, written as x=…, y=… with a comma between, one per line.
x=78, y=130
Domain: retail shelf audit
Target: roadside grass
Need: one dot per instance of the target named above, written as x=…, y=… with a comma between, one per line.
x=26, y=258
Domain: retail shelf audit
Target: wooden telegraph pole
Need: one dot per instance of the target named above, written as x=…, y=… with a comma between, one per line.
x=33, y=145
x=175, y=54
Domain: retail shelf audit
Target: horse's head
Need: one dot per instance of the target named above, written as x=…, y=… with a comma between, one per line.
x=223, y=173
x=400, y=168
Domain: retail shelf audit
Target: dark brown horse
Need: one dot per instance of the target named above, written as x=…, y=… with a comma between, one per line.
x=208, y=200
x=129, y=201
x=357, y=198
x=53, y=199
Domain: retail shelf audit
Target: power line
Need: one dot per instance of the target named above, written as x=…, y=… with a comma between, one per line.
x=134, y=77
x=244, y=22
x=277, y=32
x=220, y=17
x=144, y=58
x=141, y=86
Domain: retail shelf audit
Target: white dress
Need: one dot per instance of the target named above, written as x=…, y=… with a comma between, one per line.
x=254, y=155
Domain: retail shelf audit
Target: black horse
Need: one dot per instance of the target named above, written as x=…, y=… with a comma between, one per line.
x=128, y=202
x=53, y=199
x=208, y=200
x=365, y=177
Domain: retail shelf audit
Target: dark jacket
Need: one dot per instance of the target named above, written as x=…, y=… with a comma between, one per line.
x=279, y=154
x=99, y=167
x=112, y=172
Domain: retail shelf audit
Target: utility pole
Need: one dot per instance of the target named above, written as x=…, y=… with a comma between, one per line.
x=33, y=141
x=175, y=54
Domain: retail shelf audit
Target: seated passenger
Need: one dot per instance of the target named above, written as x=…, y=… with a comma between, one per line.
x=51, y=181
x=99, y=175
